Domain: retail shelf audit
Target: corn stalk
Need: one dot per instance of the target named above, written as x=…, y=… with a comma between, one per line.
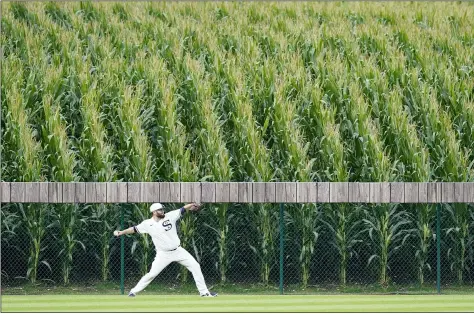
x=319, y=121
x=341, y=220
x=385, y=218
x=445, y=149
x=363, y=134
x=292, y=149
x=26, y=152
x=123, y=93
x=211, y=142
x=178, y=165
x=252, y=158
x=61, y=163
x=137, y=155
x=399, y=132
x=96, y=156
x=385, y=227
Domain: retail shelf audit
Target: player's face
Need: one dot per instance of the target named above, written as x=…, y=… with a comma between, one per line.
x=159, y=213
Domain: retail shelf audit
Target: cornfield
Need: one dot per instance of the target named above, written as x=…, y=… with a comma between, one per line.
x=187, y=92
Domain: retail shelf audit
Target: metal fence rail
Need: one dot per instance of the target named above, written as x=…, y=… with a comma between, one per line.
x=237, y=192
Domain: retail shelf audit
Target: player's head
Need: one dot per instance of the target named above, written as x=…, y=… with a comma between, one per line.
x=158, y=210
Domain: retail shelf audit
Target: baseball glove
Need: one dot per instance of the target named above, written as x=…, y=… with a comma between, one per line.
x=196, y=207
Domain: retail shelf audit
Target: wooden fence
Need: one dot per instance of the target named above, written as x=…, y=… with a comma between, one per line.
x=237, y=192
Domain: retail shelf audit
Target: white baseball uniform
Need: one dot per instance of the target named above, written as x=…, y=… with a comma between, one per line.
x=167, y=245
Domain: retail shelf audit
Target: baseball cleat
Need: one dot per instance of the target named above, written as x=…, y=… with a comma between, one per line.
x=209, y=295
x=131, y=294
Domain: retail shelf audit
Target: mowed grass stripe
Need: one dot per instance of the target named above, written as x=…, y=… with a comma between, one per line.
x=234, y=298
x=263, y=307
x=240, y=303
x=258, y=308
x=233, y=303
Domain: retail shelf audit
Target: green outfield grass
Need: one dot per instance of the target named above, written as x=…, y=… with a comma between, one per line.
x=239, y=303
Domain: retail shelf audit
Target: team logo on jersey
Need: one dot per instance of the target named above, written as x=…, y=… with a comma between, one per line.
x=167, y=225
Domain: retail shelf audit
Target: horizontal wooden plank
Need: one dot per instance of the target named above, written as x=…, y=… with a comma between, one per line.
x=447, y=192
x=245, y=192
x=18, y=192
x=376, y=192
x=339, y=192
x=280, y=192
x=122, y=192
x=434, y=192
x=116, y=192
x=96, y=192
x=164, y=192
x=258, y=191
x=55, y=192
x=411, y=192
x=69, y=189
x=190, y=192
x=175, y=192
x=354, y=193
x=233, y=192
x=469, y=192
x=90, y=192
x=150, y=192
x=133, y=192
x=238, y=192
x=32, y=192
x=385, y=192
x=364, y=192
x=422, y=192
x=359, y=192
x=80, y=192
x=5, y=193
x=222, y=192
x=186, y=192
x=169, y=192
x=270, y=192
x=101, y=190
x=208, y=192
x=301, y=192
x=290, y=191
x=43, y=192
x=397, y=192
x=458, y=192
x=312, y=192
x=323, y=192
x=196, y=192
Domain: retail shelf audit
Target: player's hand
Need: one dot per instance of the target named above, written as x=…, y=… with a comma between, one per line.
x=116, y=233
x=195, y=207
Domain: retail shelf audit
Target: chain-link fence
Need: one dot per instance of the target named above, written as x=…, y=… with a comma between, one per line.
x=330, y=247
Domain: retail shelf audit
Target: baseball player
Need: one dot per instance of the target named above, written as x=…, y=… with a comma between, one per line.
x=162, y=229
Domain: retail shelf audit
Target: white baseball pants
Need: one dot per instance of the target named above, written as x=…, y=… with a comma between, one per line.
x=163, y=259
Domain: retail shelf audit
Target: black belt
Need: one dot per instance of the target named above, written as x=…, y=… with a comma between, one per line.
x=174, y=249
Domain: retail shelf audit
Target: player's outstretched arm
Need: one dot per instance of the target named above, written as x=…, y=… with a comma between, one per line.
x=126, y=231
x=192, y=207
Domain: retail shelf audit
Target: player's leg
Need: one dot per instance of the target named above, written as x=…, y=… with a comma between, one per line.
x=187, y=260
x=160, y=262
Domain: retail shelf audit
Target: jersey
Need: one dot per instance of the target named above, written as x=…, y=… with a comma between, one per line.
x=163, y=232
